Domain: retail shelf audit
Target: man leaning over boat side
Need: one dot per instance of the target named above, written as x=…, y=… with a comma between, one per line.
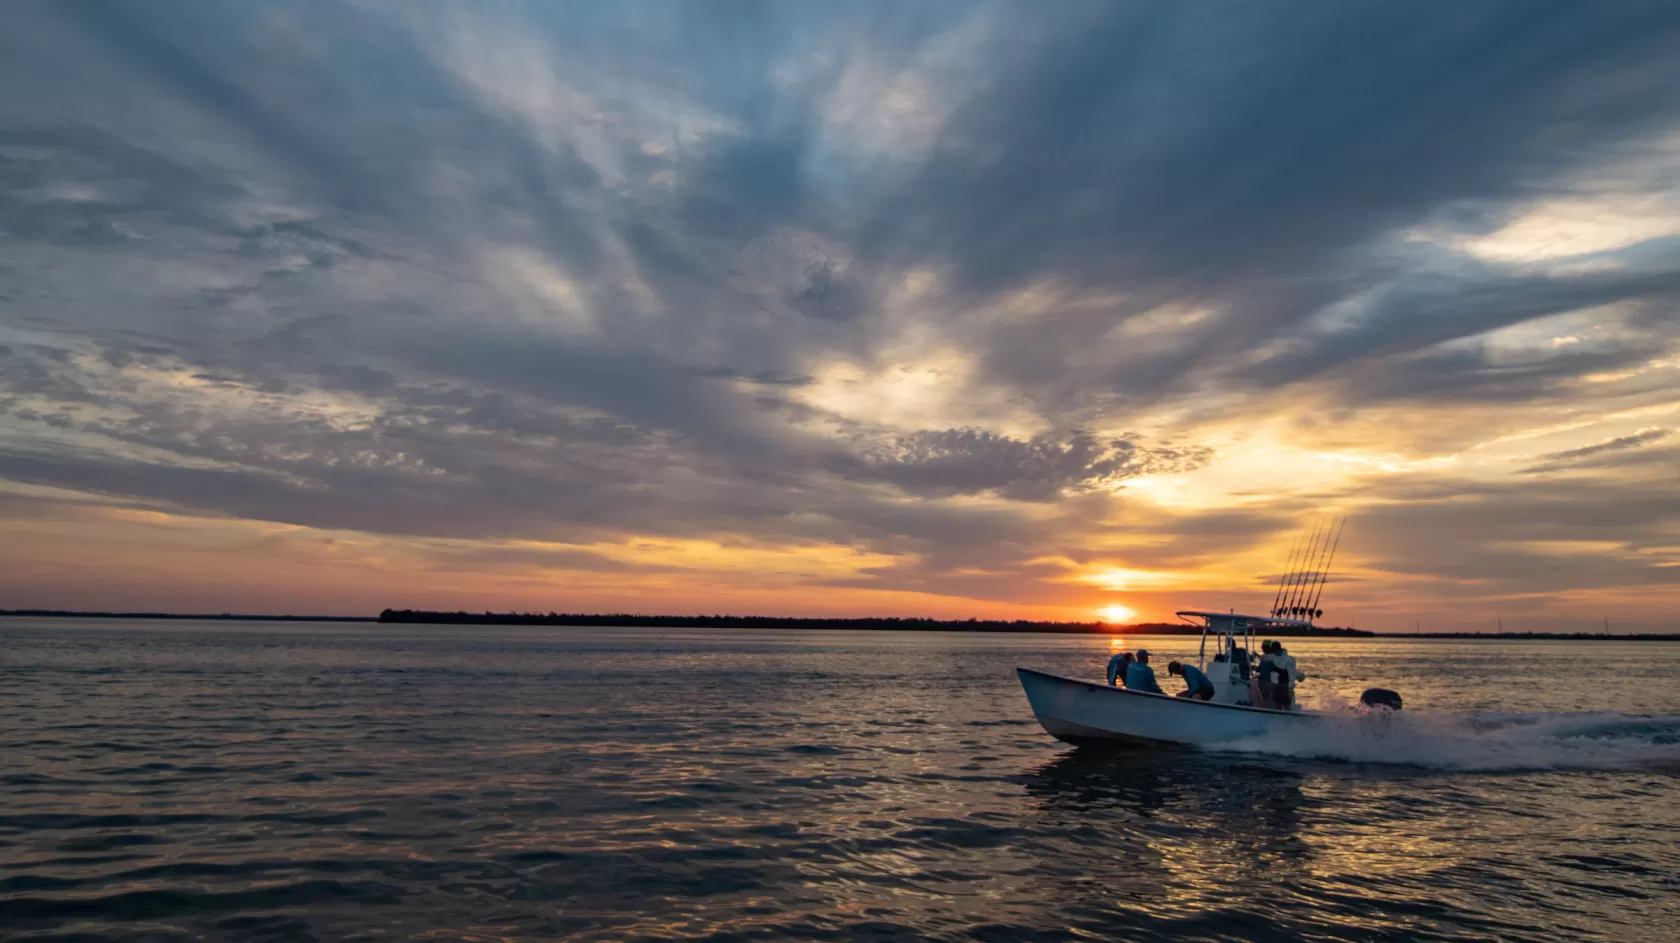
x=1196, y=684
x=1141, y=677
x=1117, y=668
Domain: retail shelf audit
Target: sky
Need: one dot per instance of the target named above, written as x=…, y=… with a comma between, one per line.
x=1003, y=310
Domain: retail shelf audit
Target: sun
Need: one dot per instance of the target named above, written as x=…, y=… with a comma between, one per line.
x=1116, y=613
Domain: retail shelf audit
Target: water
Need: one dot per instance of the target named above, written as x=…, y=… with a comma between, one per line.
x=215, y=781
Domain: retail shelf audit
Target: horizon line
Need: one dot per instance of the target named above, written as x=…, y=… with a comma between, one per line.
x=466, y=617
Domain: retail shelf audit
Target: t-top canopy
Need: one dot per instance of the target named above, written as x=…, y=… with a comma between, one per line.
x=1237, y=617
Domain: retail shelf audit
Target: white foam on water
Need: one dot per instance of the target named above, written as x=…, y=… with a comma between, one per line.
x=1482, y=742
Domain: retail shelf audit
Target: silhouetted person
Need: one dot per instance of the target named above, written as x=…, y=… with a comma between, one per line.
x=1286, y=661
x=1117, y=668
x=1277, y=677
x=1141, y=677
x=1196, y=684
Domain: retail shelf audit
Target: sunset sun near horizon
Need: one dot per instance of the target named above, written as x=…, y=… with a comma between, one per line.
x=1115, y=612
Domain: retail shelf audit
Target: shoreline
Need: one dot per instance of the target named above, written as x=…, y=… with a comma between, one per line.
x=804, y=623
x=183, y=616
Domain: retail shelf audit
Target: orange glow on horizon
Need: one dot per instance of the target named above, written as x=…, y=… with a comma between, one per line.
x=1114, y=612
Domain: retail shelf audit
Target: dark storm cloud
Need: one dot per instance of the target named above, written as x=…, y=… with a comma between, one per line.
x=575, y=270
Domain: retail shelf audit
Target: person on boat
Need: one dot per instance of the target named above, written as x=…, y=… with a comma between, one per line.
x=1141, y=677
x=1286, y=661
x=1277, y=677
x=1117, y=668
x=1283, y=695
x=1196, y=683
x=1266, y=676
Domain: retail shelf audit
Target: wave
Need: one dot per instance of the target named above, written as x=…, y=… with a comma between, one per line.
x=1492, y=742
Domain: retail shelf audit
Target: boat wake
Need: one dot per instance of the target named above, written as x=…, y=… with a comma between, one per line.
x=1484, y=742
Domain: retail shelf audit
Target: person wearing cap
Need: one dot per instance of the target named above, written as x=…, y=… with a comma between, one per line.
x=1141, y=677
x=1196, y=683
x=1117, y=668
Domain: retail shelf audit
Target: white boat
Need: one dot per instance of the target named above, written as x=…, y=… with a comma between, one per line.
x=1078, y=711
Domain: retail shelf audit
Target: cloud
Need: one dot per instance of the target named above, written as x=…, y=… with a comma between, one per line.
x=1575, y=458
x=967, y=461
x=991, y=296
x=1523, y=539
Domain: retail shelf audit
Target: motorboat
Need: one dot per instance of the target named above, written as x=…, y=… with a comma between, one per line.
x=1079, y=711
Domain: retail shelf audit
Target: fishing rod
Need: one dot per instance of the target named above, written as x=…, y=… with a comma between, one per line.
x=1301, y=607
x=1296, y=567
x=1283, y=578
x=1294, y=600
x=1289, y=570
x=1323, y=569
x=1326, y=575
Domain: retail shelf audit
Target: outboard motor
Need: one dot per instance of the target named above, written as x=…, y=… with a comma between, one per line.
x=1380, y=697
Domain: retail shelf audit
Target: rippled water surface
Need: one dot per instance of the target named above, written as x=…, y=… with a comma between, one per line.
x=194, y=781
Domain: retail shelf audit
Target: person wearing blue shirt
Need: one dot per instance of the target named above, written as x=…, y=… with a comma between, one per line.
x=1117, y=668
x=1141, y=677
x=1196, y=684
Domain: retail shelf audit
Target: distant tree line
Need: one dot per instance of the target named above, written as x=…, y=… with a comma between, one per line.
x=630, y=620
x=219, y=616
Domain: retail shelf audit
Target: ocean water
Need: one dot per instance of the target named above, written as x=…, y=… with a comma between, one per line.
x=168, y=781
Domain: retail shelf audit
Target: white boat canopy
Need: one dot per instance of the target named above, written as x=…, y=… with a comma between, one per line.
x=1233, y=631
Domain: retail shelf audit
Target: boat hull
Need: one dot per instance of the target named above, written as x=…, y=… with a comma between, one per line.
x=1077, y=711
